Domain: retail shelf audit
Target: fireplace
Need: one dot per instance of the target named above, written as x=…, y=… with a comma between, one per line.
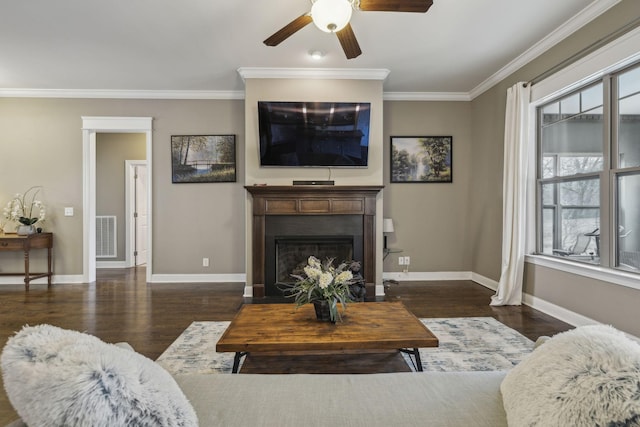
x=291, y=239
x=292, y=222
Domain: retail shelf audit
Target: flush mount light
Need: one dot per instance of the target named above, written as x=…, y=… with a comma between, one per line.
x=331, y=15
x=316, y=54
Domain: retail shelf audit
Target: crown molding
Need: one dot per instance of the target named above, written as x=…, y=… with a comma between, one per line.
x=595, y=9
x=120, y=94
x=313, y=73
x=426, y=96
x=586, y=15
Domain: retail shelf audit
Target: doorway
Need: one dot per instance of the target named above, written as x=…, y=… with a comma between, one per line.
x=90, y=127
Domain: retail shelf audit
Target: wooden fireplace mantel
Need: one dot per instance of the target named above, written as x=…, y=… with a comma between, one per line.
x=313, y=200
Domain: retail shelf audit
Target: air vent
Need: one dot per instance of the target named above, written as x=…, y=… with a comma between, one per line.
x=106, y=246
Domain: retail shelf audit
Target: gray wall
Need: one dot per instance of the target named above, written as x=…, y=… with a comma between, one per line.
x=191, y=221
x=431, y=221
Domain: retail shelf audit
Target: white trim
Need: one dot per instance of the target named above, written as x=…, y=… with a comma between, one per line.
x=248, y=291
x=484, y=281
x=55, y=279
x=430, y=275
x=620, y=52
x=90, y=127
x=426, y=96
x=595, y=9
x=198, y=278
x=120, y=94
x=609, y=275
x=111, y=264
x=313, y=73
x=558, y=312
x=117, y=124
x=588, y=14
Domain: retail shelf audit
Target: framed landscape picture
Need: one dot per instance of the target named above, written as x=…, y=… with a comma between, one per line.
x=421, y=159
x=203, y=158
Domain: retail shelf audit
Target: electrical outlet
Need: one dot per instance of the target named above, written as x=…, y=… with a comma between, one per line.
x=205, y=262
x=407, y=260
x=68, y=211
x=400, y=260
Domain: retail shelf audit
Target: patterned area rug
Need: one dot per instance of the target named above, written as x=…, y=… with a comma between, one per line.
x=466, y=344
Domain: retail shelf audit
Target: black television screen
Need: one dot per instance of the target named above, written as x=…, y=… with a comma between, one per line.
x=314, y=133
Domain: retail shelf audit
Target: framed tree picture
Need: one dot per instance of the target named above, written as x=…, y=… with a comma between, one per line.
x=203, y=158
x=421, y=159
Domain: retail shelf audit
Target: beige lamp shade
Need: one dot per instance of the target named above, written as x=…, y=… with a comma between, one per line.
x=387, y=225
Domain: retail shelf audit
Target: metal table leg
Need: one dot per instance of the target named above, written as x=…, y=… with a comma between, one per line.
x=416, y=356
x=236, y=361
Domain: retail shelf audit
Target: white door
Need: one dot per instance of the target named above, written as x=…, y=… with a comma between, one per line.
x=140, y=214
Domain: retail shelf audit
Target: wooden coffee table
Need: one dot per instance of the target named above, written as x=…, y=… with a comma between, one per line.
x=281, y=329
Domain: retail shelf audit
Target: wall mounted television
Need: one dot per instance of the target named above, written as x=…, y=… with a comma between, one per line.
x=321, y=134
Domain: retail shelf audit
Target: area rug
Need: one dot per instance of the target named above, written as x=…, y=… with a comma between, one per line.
x=466, y=344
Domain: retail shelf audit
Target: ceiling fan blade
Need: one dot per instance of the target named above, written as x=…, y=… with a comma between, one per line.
x=288, y=30
x=420, y=6
x=349, y=43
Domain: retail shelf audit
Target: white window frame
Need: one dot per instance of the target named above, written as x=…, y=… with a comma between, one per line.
x=616, y=55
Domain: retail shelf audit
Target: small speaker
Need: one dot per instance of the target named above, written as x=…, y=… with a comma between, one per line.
x=313, y=182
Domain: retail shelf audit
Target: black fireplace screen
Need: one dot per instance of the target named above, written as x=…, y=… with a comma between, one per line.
x=290, y=239
x=292, y=253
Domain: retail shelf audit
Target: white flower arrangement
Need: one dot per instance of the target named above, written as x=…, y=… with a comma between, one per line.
x=324, y=282
x=25, y=209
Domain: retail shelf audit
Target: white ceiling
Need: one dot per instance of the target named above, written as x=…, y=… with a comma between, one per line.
x=457, y=47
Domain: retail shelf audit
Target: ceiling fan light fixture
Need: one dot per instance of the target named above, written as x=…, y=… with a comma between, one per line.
x=331, y=15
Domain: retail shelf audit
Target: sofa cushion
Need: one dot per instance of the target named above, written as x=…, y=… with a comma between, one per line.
x=586, y=376
x=434, y=399
x=56, y=377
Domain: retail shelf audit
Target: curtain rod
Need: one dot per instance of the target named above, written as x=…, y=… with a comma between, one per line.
x=586, y=51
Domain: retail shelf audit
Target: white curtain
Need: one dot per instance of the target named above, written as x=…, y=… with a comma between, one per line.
x=514, y=204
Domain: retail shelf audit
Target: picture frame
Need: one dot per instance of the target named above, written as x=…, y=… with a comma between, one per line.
x=203, y=158
x=421, y=159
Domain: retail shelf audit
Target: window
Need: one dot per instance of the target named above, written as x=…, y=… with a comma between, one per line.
x=589, y=173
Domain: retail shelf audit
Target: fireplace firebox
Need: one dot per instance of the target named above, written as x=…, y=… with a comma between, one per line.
x=325, y=221
x=291, y=239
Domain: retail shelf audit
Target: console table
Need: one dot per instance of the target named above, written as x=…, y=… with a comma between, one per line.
x=14, y=242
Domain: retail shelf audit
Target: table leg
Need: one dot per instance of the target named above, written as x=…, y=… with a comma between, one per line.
x=49, y=267
x=26, y=270
x=236, y=360
x=416, y=356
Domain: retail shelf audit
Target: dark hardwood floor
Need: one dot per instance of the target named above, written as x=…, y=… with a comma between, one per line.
x=121, y=306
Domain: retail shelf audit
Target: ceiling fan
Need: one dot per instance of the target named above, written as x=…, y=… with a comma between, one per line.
x=332, y=16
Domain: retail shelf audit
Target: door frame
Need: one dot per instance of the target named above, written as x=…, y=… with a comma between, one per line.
x=130, y=208
x=90, y=127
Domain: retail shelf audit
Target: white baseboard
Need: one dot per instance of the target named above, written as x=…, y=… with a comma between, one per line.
x=484, y=281
x=111, y=264
x=558, y=312
x=539, y=304
x=430, y=275
x=198, y=278
x=19, y=280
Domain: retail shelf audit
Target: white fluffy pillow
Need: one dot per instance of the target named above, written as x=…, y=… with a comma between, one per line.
x=589, y=376
x=57, y=377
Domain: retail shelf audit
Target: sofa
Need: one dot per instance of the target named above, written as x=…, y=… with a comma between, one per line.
x=587, y=376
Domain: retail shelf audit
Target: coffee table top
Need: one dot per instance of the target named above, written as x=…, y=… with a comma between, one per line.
x=283, y=328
